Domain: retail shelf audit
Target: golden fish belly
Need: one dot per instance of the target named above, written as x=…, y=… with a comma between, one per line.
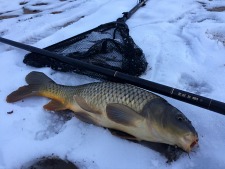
x=140, y=131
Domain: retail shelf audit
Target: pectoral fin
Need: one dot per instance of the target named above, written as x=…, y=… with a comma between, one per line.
x=83, y=104
x=54, y=105
x=122, y=114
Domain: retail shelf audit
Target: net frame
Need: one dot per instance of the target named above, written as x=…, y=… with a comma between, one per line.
x=108, y=45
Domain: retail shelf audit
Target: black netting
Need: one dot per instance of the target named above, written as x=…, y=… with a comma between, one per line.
x=108, y=45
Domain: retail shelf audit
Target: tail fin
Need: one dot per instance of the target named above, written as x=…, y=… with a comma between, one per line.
x=23, y=92
x=35, y=81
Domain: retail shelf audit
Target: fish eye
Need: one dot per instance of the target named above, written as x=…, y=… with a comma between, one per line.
x=180, y=118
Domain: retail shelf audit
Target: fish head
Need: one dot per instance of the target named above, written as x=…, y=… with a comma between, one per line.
x=170, y=125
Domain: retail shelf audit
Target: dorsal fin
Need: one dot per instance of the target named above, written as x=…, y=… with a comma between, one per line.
x=38, y=78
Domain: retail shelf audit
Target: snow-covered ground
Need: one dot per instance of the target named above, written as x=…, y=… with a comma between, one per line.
x=184, y=43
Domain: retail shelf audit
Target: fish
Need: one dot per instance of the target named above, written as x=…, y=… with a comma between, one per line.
x=119, y=106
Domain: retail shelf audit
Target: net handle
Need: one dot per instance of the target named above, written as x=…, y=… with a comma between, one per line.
x=127, y=15
x=184, y=96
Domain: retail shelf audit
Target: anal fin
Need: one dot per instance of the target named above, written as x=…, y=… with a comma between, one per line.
x=54, y=105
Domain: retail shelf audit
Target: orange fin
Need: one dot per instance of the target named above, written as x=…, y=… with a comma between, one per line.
x=23, y=92
x=54, y=105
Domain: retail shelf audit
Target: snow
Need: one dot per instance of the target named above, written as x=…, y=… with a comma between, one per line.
x=184, y=43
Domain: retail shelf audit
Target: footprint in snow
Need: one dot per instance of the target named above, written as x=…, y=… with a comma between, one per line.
x=55, y=124
x=193, y=85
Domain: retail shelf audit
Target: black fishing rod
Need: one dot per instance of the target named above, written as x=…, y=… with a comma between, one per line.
x=184, y=96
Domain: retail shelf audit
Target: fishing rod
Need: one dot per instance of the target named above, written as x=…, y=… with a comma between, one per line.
x=181, y=95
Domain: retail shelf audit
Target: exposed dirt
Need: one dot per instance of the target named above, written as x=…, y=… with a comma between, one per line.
x=56, y=12
x=23, y=3
x=49, y=163
x=26, y=10
x=213, y=9
x=40, y=4
x=10, y=112
x=8, y=16
x=217, y=9
x=29, y=11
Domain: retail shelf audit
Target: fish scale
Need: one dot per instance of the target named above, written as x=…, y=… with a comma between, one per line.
x=100, y=94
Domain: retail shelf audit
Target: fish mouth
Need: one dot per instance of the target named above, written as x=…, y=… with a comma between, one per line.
x=189, y=141
x=194, y=143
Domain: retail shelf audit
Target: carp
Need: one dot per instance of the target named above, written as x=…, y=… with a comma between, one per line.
x=118, y=106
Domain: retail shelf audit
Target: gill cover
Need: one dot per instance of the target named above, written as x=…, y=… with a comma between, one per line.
x=169, y=122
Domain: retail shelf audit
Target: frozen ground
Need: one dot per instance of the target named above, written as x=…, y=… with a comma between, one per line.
x=184, y=43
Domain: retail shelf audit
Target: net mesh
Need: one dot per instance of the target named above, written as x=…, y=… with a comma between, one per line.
x=108, y=45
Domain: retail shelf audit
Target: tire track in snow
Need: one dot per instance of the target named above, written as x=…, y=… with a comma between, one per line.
x=48, y=31
x=59, y=11
x=193, y=81
x=173, y=44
